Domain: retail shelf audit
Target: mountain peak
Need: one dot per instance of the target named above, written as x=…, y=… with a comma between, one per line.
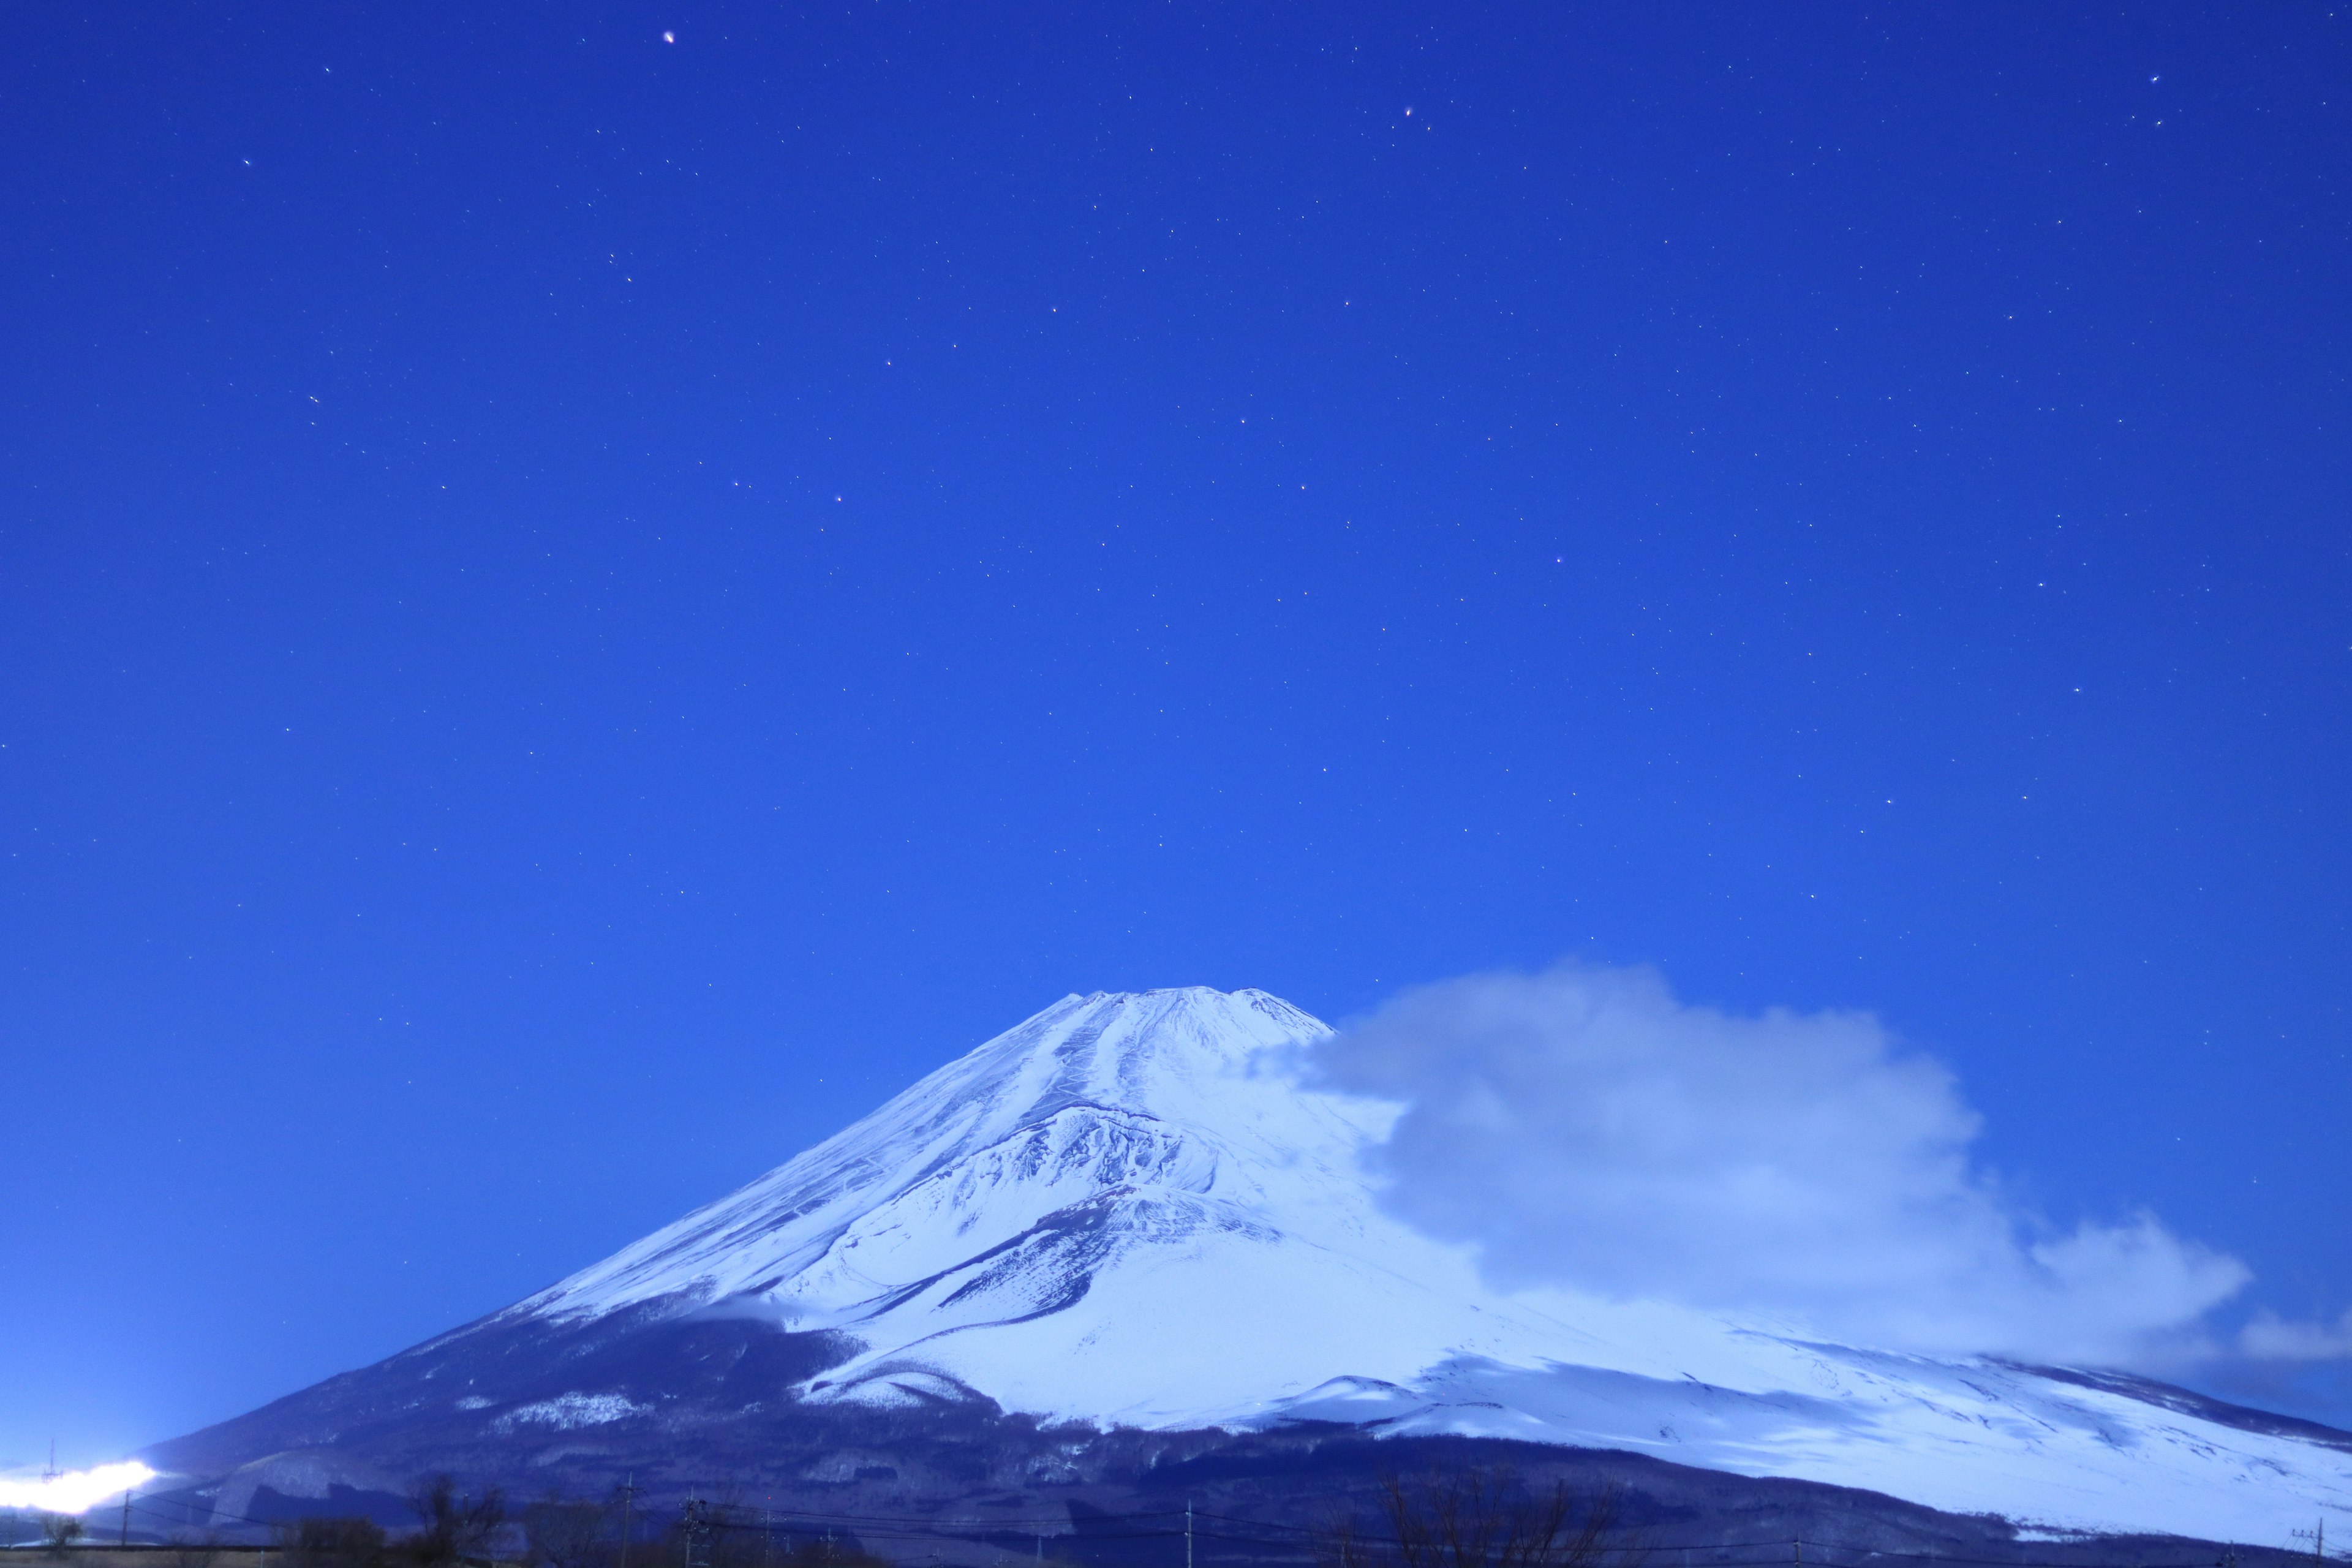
x=1134, y=1209
x=1114, y=1092
x=1119, y=1048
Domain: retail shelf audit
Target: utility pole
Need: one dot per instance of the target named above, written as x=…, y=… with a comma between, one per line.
x=1188, y=1532
x=628, y=1491
x=1799, y=1544
x=126, y=1517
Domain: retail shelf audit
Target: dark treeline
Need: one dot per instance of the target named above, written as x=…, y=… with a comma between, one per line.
x=707, y=1533
x=1481, y=1518
x=55, y=1532
x=1484, y=1517
x=454, y=1529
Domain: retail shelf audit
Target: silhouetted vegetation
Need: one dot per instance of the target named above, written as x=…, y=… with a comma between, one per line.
x=1481, y=1518
x=451, y=1527
x=190, y=1551
x=815, y=1552
x=325, y=1542
x=725, y=1534
x=59, y=1531
x=558, y=1533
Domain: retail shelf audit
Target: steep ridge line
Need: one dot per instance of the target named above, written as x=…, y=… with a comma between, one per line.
x=1135, y=1211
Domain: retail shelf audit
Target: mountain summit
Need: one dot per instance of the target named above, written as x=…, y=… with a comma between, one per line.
x=1126, y=1209
x=1136, y=1211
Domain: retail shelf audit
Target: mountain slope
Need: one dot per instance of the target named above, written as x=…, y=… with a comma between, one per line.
x=1128, y=1211
x=1080, y=1219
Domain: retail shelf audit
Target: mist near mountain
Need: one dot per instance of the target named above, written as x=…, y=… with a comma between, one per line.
x=1584, y=1128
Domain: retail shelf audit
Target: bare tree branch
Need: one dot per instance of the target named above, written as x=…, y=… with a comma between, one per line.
x=1481, y=1518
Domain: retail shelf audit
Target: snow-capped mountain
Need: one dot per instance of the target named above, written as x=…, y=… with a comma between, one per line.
x=1130, y=1211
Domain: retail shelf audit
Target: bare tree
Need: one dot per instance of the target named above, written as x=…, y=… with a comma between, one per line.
x=560, y=1533
x=1342, y=1541
x=1481, y=1518
x=60, y=1530
x=451, y=1527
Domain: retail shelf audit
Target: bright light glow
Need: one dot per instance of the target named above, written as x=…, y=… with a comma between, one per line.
x=76, y=1491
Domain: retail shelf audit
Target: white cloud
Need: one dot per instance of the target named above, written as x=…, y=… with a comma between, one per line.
x=75, y=1492
x=2270, y=1338
x=1584, y=1129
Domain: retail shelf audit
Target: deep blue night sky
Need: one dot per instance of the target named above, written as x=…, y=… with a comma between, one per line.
x=576, y=610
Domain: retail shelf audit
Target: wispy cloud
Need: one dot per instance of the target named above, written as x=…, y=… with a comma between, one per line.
x=2271, y=1338
x=1584, y=1128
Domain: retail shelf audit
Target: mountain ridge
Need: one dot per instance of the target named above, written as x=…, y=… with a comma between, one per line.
x=1133, y=1211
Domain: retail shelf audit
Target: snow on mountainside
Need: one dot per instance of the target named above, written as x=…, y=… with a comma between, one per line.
x=1129, y=1210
